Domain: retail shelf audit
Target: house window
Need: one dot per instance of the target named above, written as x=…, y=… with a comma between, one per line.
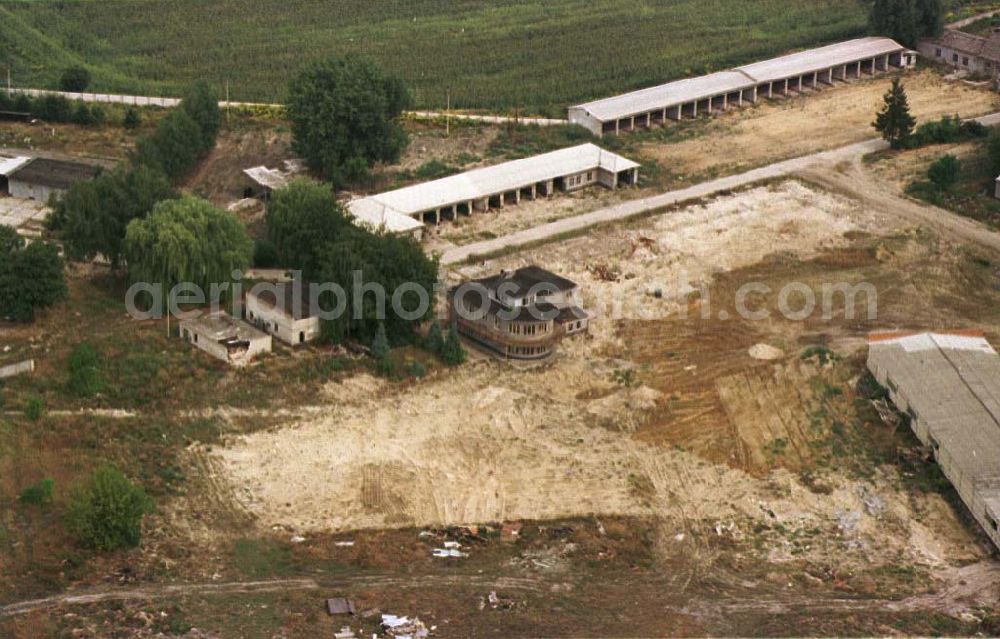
x=590, y=176
x=954, y=58
x=937, y=52
x=965, y=61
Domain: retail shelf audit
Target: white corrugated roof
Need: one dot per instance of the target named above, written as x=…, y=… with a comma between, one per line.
x=668, y=95
x=375, y=216
x=745, y=77
x=9, y=165
x=796, y=64
x=269, y=178
x=493, y=180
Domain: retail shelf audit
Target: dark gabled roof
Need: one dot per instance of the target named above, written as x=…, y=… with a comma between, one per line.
x=57, y=174
x=987, y=48
x=526, y=278
x=280, y=295
x=571, y=314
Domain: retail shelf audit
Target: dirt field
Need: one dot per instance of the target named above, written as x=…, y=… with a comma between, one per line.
x=811, y=122
x=713, y=425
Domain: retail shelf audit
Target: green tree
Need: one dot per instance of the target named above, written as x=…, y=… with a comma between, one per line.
x=202, y=105
x=186, y=240
x=91, y=217
x=380, y=345
x=75, y=79
x=943, y=172
x=929, y=17
x=452, y=353
x=345, y=115
x=174, y=147
x=993, y=151
x=132, y=119
x=32, y=276
x=82, y=115
x=38, y=494
x=106, y=512
x=302, y=219
x=85, y=376
x=906, y=21
x=894, y=121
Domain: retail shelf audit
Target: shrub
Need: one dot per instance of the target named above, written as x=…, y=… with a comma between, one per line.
x=943, y=172
x=34, y=409
x=434, y=341
x=265, y=254
x=75, y=79
x=385, y=366
x=132, y=119
x=85, y=377
x=82, y=115
x=434, y=169
x=416, y=369
x=452, y=352
x=106, y=512
x=38, y=494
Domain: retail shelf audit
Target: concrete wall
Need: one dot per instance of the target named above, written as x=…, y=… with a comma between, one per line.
x=581, y=117
x=30, y=191
x=240, y=357
x=11, y=370
x=577, y=181
x=276, y=322
x=958, y=59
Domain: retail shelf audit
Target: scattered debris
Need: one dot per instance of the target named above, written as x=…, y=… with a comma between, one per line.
x=297, y=539
x=766, y=352
x=345, y=633
x=449, y=553
x=404, y=627
x=339, y=606
x=511, y=531
x=605, y=273
x=496, y=602
x=343, y=544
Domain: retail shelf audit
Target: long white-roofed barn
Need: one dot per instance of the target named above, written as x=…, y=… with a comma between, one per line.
x=407, y=210
x=949, y=385
x=720, y=91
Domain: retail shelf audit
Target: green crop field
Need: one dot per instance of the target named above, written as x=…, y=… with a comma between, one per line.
x=537, y=55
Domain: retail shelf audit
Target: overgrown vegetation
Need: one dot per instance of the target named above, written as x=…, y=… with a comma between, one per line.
x=31, y=276
x=906, y=21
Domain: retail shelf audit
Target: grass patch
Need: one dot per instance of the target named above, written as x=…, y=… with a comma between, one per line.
x=262, y=558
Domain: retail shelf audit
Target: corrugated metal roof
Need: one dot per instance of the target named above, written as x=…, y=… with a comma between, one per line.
x=796, y=64
x=491, y=180
x=668, y=95
x=952, y=383
x=740, y=78
x=268, y=178
x=10, y=165
x=375, y=216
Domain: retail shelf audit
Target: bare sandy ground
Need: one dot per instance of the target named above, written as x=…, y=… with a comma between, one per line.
x=811, y=122
x=498, y=443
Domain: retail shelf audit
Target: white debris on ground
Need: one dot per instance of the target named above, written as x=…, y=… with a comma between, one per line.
x=404, y=627
x=766, y=352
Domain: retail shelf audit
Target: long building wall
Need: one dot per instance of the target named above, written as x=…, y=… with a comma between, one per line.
x=738, y=96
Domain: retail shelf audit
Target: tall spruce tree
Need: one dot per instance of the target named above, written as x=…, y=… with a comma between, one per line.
x=894, y=121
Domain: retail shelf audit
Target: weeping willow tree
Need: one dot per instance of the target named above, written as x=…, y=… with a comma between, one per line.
x=186, y=240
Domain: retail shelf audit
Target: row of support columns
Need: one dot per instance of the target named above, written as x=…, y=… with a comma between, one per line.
x=484, y=204
x=723, y=102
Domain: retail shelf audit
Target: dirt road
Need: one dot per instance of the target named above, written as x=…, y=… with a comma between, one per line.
x=819, y=165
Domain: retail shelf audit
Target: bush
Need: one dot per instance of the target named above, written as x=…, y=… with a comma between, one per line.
x=75, y=79
x=38, y=494
x=265, y=254
x=943, y=172
x=34, y=409
x=132, y=119
x=385, y=366
x=435, y=341
x=52, y=108
x=948, y=129
x=85, y=377
x=416, y=369
x=434, y=170
x=106, y=512
x=82, y=115
x=993, y=151
x=452, y=352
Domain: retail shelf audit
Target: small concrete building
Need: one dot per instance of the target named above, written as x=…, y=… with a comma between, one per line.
x=409, y=209
x=41, y=178
x=949, y=386
x=691, y=97
x=978, y=55
x=282, y=309
x=225, y=337
x=522, y=314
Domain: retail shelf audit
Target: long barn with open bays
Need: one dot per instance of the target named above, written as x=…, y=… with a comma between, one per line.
x=949, y=385
x=720, y=91
x=407, y=210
